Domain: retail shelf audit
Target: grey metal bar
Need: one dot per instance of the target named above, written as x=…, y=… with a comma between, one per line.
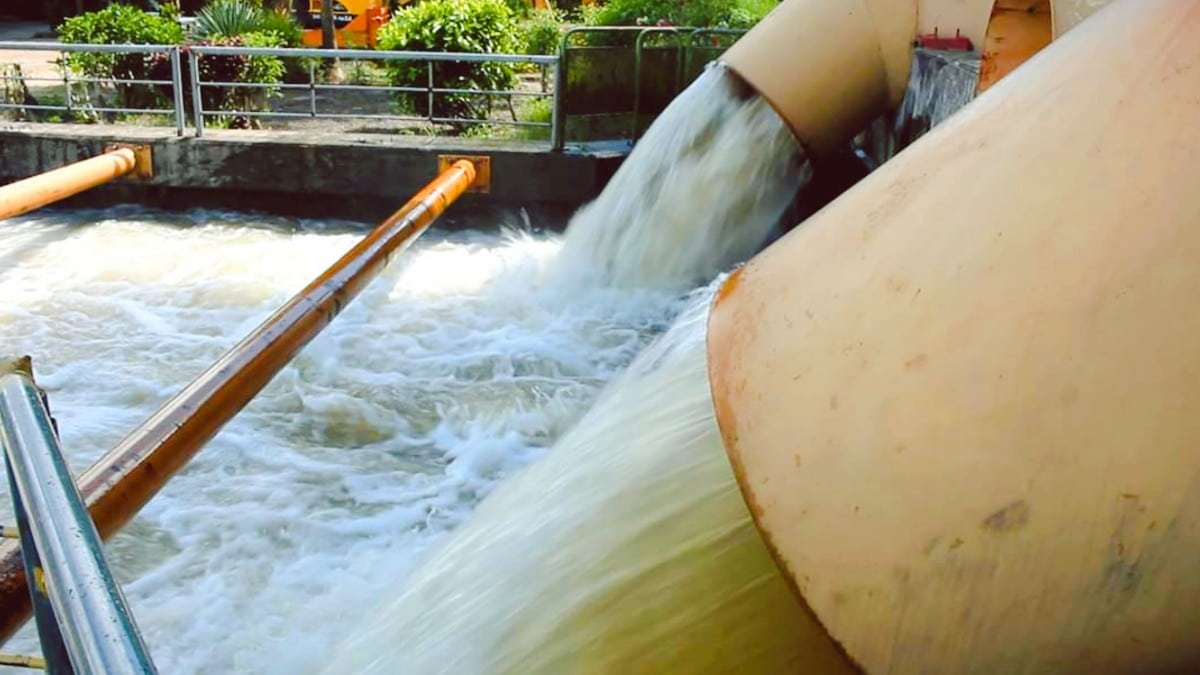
x=558, y=104
x=117, y=81
x=430, y=65
x=394, y=118
x=148, y=111
x=98, y=630
x=54, y=648
x=312, y=89
x=197, y=104
x=71, y=47
x=373, y=55
x=177, y=90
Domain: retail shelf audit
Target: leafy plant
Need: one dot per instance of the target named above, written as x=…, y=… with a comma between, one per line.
x=693, y=13
x=230, y=69
x=478, y=26
x=119, y=24
x=234, y=18
x=540, y=31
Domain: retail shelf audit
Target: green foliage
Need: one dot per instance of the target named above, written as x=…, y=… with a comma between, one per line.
x=479, y=26
x=263, y=69
x=234, y=18
x=541, y=31
x=692, y=13
x=115, y=25
x=119, y=24
x=697, y=13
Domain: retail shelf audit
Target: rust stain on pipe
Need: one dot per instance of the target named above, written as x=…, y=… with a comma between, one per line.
x=37, y=191
x=129, y=475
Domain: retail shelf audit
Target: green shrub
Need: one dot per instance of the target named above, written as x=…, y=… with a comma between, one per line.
x=478, y=26
x=231, y=68
x=693, y=13
x=115, y=25
x=119, y=24
x=541, y=31
x=233, y=18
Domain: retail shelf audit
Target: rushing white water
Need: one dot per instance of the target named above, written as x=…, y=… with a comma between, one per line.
x=469, y=358
x=627, y=549
x=447, y=374
x=700, y=192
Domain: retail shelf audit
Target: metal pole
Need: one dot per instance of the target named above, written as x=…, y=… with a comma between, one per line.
x=197, y=104
x=99, y=632
x=66, y=73
x=130, y=474
x=54, y=650
x=430, y=90
x=312, y=89
x=45, y=188
x=557, y=106
x=177, y=90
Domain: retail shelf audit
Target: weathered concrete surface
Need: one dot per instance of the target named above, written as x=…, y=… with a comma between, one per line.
x=344, y=175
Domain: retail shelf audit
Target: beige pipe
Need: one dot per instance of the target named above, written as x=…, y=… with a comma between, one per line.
x=962, y=401
x=828, y=68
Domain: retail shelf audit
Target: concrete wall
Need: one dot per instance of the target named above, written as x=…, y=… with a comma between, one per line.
x=351, y=176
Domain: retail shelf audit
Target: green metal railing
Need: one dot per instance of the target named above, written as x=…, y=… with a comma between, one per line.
x=692, y=48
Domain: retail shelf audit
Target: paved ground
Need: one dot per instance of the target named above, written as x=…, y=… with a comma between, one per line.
x=33, y=63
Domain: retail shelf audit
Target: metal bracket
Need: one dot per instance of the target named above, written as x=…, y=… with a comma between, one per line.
x=22, y=365
x=21, y=661
x=483, y=170
x=143, y=168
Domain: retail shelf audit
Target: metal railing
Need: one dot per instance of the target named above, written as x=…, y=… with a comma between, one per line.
x=199, y=97
x=76, y=100
x=430, y=94
x=83, y=621
x=685, y=40
x=188, y=95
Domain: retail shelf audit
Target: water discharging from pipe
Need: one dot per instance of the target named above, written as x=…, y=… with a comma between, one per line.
x=700, y=191
x=459, y=366
x=627, y=549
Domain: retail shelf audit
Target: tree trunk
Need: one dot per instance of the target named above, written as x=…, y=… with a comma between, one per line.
x=327, y=24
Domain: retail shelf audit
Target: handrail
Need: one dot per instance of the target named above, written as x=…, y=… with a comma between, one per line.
x=375, y=54
x=130, y=474
x=45, y=188
x=96, y=627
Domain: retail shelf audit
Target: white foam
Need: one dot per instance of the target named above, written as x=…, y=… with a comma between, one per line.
x=446, y=375
x=627, y=549
x=700, y=192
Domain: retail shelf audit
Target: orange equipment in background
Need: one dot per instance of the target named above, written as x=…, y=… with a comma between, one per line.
x=355, y=22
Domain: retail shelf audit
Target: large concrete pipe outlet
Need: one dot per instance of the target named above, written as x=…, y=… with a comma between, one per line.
x=962, y=401
x=828, y=68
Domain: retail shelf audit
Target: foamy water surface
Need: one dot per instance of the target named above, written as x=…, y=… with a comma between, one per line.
x=460, y=365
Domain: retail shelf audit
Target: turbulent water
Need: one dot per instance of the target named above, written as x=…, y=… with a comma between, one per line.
x=701, y=191
x=627, y=549
x=450, y=372
x=462, y=364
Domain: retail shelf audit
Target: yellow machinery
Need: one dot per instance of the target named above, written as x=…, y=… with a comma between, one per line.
x=355, y=22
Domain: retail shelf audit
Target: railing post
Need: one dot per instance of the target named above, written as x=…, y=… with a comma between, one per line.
x=312, y=89
x=54, y=650
x=89, y=621
x=177, y=90
x=558, y=105
x=430, y=90
x=197, y=104
x=66, y=73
